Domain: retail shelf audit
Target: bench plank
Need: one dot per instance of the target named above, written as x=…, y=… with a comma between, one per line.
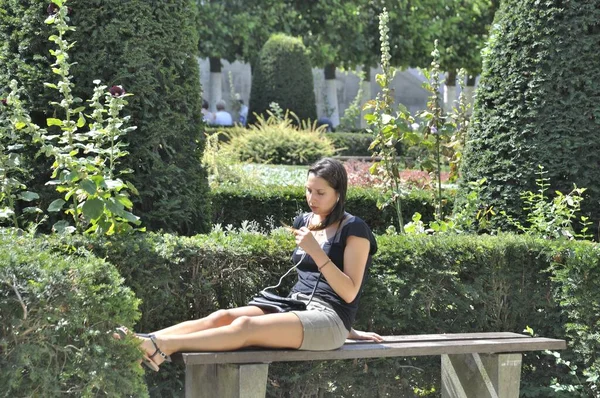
x=443, y=337
x=411, y=347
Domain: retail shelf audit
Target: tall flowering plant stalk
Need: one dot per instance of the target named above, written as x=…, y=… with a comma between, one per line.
x=443, y=134
x=388, y=128
x=86, y=155
x=434, y=122
x=13, y=119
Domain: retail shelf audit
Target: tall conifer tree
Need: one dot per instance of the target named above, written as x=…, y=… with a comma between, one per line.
x=537, y=104
x=149, y=48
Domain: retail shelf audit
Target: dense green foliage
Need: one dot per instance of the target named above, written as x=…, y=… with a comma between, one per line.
x=351, y=144
x=150, y=52
x=57, y=312
x=282, y=74
x=418, y=284
x=536, y=105
x=233, y=205
x=345, y=143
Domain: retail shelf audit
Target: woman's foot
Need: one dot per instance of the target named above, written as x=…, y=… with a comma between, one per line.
x=152, y=347
x=147, y=360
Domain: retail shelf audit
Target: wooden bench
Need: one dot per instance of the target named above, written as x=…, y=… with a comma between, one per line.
x=474, y=365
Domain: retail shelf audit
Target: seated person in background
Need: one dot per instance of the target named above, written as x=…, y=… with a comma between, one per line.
x=222, y=117
x=243, y=112
x=207, y=116
x=325, y=121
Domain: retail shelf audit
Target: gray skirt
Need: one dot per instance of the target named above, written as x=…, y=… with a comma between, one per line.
x=323, y=328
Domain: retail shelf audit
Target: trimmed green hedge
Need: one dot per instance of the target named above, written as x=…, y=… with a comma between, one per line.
x=150, y=50
x=57, y=312
x=272, y=204
x=351, y=144
x=419, y=284
x=283, y=74
x=535, y=104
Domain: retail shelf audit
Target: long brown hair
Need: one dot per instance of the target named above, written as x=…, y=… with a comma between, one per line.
x=334, y=173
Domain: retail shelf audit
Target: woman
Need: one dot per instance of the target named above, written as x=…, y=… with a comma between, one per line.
x=334, y=252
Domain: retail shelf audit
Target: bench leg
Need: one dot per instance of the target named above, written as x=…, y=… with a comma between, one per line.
x=226, y=381
x=481, y=375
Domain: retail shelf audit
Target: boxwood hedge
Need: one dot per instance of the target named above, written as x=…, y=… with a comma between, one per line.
x=58, y=307
x=418, y=284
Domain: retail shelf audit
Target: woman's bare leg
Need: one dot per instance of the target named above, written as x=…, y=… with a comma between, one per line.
x=216, y=319
x=270, y=330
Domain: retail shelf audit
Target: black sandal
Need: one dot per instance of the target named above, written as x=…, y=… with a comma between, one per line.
x=158, y=351
x=146, y=360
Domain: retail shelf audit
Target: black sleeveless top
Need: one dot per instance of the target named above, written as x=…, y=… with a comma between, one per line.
x=308, y=274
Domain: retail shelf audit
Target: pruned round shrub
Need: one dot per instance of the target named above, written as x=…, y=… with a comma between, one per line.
x=57, y=312
x=536, y=104
x=283, y=74
x=278, y=142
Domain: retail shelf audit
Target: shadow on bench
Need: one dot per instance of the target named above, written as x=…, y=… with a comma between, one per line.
x=478, y=365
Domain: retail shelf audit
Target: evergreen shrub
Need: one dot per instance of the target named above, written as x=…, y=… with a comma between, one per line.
x=418, y=284
x=282, y=74
x=57, y=312
x=351, y=144
x=536, y=105
x=149, y=50
x=276, y=145
x=272, y=204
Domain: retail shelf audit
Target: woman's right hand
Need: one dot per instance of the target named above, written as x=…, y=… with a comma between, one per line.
x=306, y=240
x=360, y=335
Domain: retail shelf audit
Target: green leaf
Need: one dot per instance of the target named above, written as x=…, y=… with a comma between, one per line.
x=93, y=208
x=20, y=125
x=53, y=122
x=124, y=200
x=29, y=210
x=131, y=218
x=63, y=227
x=88, y=185
x=51, y=85
x=81, y=120
x=6, y=212
x=28, y=196
x=132, y=188
x=56, y=205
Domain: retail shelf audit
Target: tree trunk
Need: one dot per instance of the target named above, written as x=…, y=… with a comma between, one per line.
x=215, y=89
x=470, y=90
x=331, y=99
x=365, y=84
x=450, y=90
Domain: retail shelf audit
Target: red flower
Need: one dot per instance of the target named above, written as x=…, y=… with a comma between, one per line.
x=52, y=9
x=116, y=91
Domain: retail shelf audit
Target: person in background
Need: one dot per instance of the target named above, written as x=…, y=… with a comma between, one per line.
x=222, y=117
x=207, y=116
x=243, y=112
x=325, y=121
